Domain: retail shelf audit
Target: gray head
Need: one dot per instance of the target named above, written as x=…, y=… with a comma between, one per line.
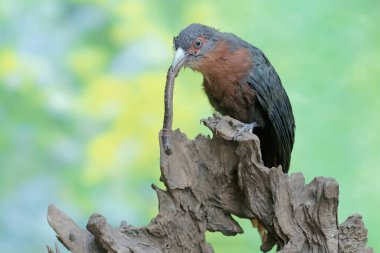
x=193, y=42
x=187, y=36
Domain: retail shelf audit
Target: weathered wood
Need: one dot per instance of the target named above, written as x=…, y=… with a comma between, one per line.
x=209, y=179
x=50, y=250
x=70, y=234
x=353, y=236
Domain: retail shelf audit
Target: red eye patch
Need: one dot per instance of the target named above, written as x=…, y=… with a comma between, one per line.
x=197, y=45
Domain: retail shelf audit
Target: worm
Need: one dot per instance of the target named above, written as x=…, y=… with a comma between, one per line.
x=168, y=116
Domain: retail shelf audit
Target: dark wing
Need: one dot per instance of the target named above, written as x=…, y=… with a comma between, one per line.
x=274, y=101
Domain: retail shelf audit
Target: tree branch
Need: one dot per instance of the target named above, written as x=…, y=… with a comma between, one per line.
x=209, y=179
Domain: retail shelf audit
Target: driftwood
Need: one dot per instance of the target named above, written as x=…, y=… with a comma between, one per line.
x=207, y=180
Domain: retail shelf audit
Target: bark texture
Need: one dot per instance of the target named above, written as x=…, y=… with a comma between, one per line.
x=207, y=180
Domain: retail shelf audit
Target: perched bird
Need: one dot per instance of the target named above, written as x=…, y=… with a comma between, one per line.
x=240, y=82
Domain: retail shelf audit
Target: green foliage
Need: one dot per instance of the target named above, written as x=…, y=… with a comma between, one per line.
x=81, y=104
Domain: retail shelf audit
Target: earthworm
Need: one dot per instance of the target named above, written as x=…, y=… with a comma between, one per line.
x=168, y=116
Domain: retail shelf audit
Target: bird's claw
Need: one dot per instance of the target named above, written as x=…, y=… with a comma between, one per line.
x=243, y=129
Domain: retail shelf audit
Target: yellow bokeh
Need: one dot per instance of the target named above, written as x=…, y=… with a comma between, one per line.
x=9, y=61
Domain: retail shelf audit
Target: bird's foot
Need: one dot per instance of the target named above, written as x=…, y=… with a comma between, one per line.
x=244, y=128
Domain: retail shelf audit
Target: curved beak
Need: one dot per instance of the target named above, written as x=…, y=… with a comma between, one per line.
x=179, y=58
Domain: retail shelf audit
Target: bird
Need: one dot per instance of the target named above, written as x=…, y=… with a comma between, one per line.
x=240, y=82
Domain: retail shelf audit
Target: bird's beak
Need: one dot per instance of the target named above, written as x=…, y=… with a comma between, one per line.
x=179, y=58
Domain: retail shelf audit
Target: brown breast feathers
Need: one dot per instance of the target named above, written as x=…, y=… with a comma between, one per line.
x=224, y=73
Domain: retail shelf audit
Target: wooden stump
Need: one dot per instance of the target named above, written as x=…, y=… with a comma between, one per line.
x=209, y=179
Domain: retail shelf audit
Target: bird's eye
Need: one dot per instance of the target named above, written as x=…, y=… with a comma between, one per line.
x=198, y=43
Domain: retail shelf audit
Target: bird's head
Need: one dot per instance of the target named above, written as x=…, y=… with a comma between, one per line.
x=192, y=44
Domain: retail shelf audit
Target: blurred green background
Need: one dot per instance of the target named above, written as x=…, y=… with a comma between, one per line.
x=81, y=104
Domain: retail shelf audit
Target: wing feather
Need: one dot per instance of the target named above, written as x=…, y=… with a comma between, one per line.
x=274, y=101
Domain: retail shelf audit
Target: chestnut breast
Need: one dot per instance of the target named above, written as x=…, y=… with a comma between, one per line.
x=224, y=71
